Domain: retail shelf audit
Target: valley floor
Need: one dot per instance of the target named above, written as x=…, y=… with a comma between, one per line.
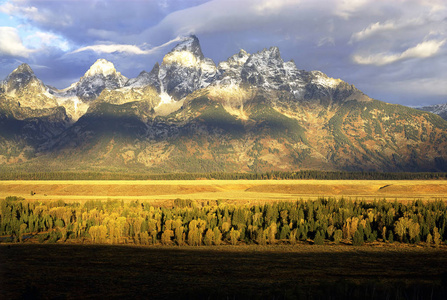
x=44, y=271
x=163, y=192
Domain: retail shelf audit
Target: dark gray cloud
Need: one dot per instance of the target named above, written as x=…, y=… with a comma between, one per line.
x=392, y=50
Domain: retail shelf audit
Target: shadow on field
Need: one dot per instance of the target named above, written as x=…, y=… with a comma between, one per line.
x=41, y=271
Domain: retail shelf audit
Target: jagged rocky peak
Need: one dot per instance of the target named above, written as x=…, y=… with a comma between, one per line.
x=265, y=57
x=19, y=78
x=145, y=79
x=235, y=61
x=188, y=53
x=185, y=70
x=140, y=81
x=23, y=81
x=230, y=70
x=240, y=58
x=190, y=44
x=265, y=69
x=23, y=85
x=24, y=69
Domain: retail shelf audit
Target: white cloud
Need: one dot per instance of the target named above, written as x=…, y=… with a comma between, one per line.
x=274, y=6
x=392, y=26
x=223, y=16
x=122, y=48
x=346, y=8
x=314, y=33
x=28, y=12
x=42, y=40
x=372, y=29
x=422, y=50
x=20, y=9
x=11, y=44
x=46, y=37
x=129, y=49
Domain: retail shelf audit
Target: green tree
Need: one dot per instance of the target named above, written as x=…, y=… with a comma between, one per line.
x=358, y=238
x=22, y=230
x=285, y=232
x=436, y=237
x=429, y=239
x=390, y=236
x=319, y=238
x=338, y=234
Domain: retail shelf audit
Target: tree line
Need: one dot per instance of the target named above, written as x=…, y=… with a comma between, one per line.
x=273, y=175
x=322, y=221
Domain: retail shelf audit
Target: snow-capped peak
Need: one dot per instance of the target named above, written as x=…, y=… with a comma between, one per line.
x=101, y=75
x=101, y=66
x=190, y=44
x=187, y=53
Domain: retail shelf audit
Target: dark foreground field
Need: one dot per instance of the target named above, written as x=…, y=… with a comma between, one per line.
x=36, y=271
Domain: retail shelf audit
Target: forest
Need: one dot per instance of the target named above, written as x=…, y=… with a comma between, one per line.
x=186, y=222
x=7, y=174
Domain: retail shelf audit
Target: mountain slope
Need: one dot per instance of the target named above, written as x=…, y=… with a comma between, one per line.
x=251, y=113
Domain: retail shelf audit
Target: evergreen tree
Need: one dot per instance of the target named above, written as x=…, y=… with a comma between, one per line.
x=338, y=234
x=319, y=239
x=358, y=238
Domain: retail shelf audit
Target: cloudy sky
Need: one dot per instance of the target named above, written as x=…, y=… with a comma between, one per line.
x=393, y=50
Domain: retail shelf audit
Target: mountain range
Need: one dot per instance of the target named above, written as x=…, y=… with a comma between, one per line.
x=438, y=109
x=250, y=113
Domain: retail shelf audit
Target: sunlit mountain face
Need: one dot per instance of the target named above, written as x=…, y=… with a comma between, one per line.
x=253, y=112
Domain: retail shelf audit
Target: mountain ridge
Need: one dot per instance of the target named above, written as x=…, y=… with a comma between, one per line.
x=250, y=113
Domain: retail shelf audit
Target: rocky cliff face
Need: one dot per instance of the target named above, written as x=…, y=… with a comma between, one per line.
x=253, y=112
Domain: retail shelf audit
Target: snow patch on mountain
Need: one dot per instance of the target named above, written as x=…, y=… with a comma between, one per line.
x=232, y=97
x=183, y=58
x=322, y=79
x=74, y=107
x=165, y=98
x=167, y=106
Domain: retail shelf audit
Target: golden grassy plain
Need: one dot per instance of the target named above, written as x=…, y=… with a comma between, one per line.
x=226, y=190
